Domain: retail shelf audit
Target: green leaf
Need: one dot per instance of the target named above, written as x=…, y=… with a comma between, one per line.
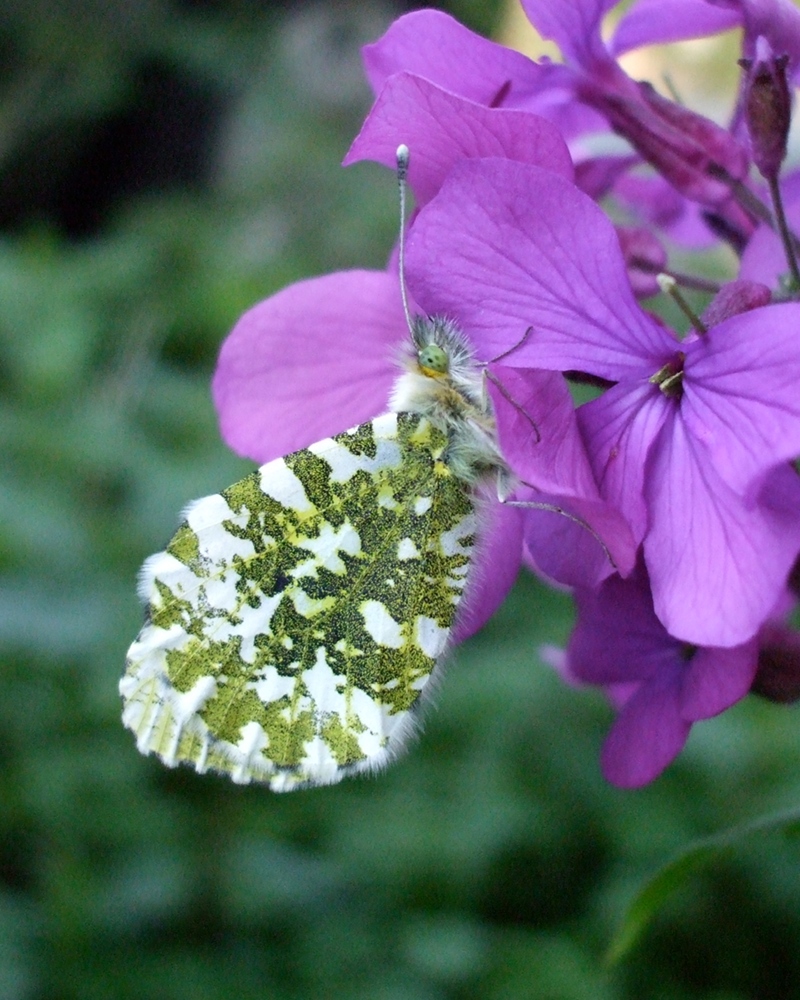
x=660, y=886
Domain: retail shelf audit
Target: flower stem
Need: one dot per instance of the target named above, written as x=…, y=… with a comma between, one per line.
x=695, y=282
x=669, y=286
x=753, y=204
x=787, y=238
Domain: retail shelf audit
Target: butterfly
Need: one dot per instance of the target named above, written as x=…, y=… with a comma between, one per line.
x=295, y=619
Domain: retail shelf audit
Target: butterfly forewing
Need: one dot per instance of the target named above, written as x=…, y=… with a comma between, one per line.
x=295, y=618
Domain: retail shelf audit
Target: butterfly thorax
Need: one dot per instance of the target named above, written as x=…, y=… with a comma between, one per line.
x=443, y=380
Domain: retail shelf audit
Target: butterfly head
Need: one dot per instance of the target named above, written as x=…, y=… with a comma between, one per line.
x=433, y=361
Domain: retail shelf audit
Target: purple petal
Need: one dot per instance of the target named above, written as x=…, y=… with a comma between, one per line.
x=717, y=565
x=538, y=430
x=778, y=21
x=308, y=362
x=741, y=397
x=440, y=128
x=495, y=568
x=540, y=440
x=556, y=101
x=620, y=694
x=619, y=429
x=507, y=246
x=597, y=175
x=579, y=553
x=655, y=22
x=573, y=26
x=617, y=637
x=655, y=201
x=648, y=733
x=561, y=551
x=433, y=45
x=715, y=679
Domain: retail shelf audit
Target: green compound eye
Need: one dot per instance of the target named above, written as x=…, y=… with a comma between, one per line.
x=433, y=358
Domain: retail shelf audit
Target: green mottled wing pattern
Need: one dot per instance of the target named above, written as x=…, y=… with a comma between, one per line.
x=294, y=619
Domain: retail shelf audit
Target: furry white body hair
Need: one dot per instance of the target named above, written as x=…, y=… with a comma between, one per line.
x=455, y=400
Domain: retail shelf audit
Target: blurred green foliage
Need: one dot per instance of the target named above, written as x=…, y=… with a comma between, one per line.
x=492, y=861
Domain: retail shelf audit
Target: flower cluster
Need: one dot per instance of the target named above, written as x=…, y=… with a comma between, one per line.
x=679, y=461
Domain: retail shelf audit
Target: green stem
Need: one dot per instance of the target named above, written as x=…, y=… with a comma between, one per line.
x=787, y=238
x=669, y=286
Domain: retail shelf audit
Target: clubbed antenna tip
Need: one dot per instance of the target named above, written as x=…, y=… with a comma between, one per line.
x=402, y=161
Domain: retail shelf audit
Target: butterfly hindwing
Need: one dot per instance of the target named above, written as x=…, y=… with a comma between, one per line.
x=295, y=618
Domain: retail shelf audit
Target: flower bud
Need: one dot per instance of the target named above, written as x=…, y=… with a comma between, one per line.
x=735, y=297
x=767, y=107
x=696, y=156
x=778, y=675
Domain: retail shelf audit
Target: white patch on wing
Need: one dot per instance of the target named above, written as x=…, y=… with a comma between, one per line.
x=254, y=622
x=221, y=593
x=373, y=716
x=344, y=463
x=274, y=686
x=452, y=541
x=219, y=545
x=319, y=764
x=326, y=548
x=183, y=708
x=188, y=703
x=279, y=482
x=209, y=512
x=154, y=639
x=430, y=637
x=168, y=570
x=309, y=606
x=381, y=626
x=407, y=549
x=320, y=682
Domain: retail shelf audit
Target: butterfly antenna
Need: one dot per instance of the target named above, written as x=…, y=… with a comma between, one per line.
x=402, y=183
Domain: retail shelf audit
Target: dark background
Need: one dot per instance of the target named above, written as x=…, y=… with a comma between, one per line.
x=164, y=165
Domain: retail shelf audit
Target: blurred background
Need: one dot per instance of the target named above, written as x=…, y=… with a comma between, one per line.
x=164, y=164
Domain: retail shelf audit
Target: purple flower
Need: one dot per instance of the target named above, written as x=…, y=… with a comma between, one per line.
x=690, y=151
x=653, y=22
x=659, y=684
x=690, y=440
x=684, y=146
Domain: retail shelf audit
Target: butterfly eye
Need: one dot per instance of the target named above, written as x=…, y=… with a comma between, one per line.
x=433, y=359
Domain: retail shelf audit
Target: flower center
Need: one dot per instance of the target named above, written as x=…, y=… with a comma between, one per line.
x=669, y=378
